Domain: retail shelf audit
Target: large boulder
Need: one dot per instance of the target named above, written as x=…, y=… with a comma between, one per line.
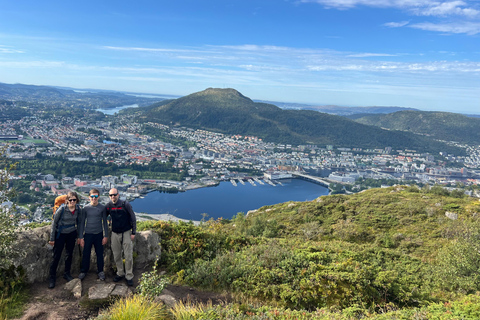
x=35, y=255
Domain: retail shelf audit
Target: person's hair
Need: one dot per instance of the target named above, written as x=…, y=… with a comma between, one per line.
x=73, y=194
x=93, y=191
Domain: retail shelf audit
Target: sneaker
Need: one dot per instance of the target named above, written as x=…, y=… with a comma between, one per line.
x=130, y=282
x=51, y=283
x=101, y=276
x=117, y=278
x=82, y=275
x=67, y=276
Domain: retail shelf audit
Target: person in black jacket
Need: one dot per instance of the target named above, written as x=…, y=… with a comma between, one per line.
x=124, y=226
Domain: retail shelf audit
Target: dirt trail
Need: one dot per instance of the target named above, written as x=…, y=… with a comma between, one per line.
x=58, y=304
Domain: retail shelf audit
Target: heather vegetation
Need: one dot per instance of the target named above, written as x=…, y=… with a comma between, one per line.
x=440, y=125
x=399, y=252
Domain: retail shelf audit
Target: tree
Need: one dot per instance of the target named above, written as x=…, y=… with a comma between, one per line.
x=8, y=219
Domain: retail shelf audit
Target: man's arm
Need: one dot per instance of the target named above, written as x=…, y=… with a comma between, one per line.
x=105, y=226
x=133, y=218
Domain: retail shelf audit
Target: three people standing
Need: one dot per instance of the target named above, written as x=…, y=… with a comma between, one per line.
x=92, y=226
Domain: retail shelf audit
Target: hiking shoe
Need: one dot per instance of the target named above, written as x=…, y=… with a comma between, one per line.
x=117, y=278
x=101, y=276
x=82, y=275
x=130, y=282
x=68, y=277
x=51, y=284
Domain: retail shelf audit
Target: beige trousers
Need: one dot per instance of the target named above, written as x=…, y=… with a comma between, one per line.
x=122, y=241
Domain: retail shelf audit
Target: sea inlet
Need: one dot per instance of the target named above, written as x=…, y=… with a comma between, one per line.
x=226, y=199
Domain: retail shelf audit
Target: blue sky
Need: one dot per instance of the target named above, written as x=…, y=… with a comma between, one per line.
x=423, y=54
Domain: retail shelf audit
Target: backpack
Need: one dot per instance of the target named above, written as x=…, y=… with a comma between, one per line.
x=58, y=202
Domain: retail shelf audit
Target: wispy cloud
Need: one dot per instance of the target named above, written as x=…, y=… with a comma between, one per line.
x=153, y=50
x=447, y=8
x=470, y=28
x=7, y=49
x=456, y=9
x=396, y=24
x=366, y=55
x=419, y=7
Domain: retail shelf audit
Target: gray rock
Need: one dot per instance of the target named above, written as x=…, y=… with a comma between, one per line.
x=451, y=215
x=100, y=291
x=167, y=298
x=75, y=287
x=147, y=247
x=121, y=291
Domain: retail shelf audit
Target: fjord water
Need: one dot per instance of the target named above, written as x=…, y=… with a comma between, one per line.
x=226, y=200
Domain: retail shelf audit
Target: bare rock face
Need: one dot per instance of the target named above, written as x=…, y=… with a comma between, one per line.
x=100, y=291
x=451, y=215
x=147, y=247
x=35, y=255
x=74, y=286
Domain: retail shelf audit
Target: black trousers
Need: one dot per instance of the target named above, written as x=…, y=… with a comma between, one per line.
x=66, y=240
x=94, y=240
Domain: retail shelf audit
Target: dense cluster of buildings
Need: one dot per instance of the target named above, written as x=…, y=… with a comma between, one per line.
x=218, y=156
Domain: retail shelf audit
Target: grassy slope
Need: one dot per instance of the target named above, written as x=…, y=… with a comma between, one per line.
x=382, y=248
x=440, y=125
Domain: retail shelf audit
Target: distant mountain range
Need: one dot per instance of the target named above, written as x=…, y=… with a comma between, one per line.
x=71, y=97
x=337, y=110
x=439, y=125
x=228, y=111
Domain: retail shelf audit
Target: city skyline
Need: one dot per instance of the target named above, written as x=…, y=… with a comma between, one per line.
x=421, y=54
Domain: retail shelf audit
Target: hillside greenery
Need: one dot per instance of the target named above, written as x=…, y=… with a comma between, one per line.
x=228, y=111
x=397, y=252
x=440, y=125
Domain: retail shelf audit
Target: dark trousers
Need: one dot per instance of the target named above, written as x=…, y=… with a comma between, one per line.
x=94, y=240
x=66, y=240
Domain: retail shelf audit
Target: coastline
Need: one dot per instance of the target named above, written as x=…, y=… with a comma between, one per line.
x=162, y=217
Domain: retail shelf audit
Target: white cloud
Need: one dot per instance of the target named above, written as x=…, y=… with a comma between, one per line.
x=418, y=7
x=138, y=49
x=32, y=64
x=7, y=49
x=396, y=24
x=366, y=55
x=448, y=8
x=470, y=28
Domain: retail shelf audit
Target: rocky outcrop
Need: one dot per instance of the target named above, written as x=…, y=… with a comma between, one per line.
x=34, y=253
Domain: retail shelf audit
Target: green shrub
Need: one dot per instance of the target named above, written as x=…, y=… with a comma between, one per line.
x=183, y=243
x=457, y=267
x=314, y=275
x=151, y=283
x=12, y=293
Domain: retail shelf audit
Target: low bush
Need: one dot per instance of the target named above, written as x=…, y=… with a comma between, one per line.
x=315, y=275
x=136, y=307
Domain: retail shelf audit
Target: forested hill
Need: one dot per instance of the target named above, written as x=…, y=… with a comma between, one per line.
x=440, y=125
x=228, y=111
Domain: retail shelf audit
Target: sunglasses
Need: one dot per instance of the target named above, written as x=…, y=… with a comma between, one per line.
x=72, y=200
x=94, y=196
x=113, y=194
